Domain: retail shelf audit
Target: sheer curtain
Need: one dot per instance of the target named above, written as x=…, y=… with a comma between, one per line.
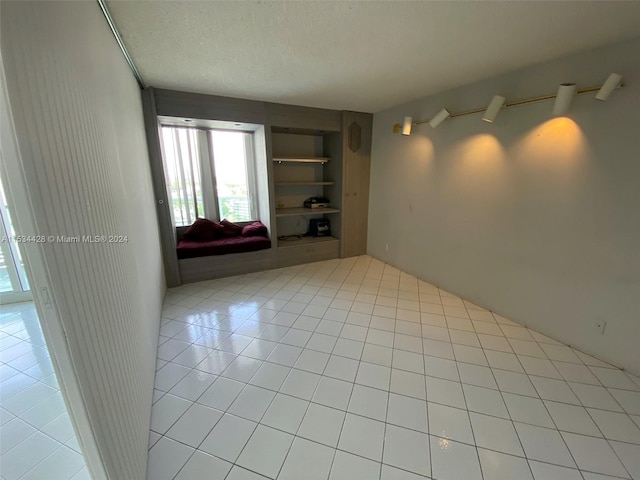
x=210, y=174
x=183, y=173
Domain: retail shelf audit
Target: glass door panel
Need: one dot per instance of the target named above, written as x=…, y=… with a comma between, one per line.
x=13, y=278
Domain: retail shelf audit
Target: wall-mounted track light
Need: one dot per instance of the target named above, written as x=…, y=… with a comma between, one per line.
x=439, y=118
x=613, y=81
x=493, y=109
x=563, y=99
x=406, y=126
x=566, y=92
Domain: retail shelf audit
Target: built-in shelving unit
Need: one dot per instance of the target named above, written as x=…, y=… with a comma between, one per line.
x=306, y=163
x=300, y=152
x=305, y=241
x=321, y=160
x=287, y=212
x=293, y=184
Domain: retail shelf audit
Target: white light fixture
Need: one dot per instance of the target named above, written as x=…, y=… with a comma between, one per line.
x=562, y=103
x=566, y=91
x=439, y=118
x=406, y=126
x=493, y=109
x=609, y=86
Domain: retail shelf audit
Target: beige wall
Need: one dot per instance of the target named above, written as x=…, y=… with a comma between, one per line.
x=534, y=217
x=78, y=119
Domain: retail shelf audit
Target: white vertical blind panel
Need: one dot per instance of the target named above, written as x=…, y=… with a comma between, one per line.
x=78, y=116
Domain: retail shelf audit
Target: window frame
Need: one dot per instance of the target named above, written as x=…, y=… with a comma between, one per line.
x=208, y=179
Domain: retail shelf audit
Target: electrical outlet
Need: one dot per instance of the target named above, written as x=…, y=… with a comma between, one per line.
x=386, y=247
x=601, y=326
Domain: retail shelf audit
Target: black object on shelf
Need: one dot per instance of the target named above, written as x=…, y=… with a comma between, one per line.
x=319, y=227
x=316, y=202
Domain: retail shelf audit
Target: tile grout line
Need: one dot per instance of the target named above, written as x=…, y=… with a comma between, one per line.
x=345, y=416
x=557, y=401
x=528, y=460
x=365, y=343
x=464, y=397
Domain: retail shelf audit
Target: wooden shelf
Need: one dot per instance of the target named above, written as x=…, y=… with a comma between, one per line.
x=301, y=159
x=305, y=241
x=304, y=131
x=283, y=184
x=287, y=212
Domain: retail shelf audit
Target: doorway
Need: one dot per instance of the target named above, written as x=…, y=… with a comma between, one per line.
x=37, y=437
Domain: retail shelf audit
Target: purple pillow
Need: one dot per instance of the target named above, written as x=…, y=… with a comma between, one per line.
x=256, y=229
x=231, y=229
x=203, y=230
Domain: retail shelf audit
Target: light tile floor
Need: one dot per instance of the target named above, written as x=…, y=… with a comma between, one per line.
x=37, y=441
x=353, y=370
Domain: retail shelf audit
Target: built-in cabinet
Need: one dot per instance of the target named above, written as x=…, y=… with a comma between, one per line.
x=356, y=164
x=303, y=152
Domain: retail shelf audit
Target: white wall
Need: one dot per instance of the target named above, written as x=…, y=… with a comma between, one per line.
x=533, y=217
x=78, y=120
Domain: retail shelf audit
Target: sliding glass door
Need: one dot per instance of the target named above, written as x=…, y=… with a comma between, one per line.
x=13, y=280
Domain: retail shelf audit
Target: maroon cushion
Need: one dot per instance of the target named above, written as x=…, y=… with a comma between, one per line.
x=231, y=229
x=203, y=230
x=255, y=229
x=221, y=246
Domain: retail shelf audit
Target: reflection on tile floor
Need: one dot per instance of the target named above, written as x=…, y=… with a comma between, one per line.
x=36, y=437
x=353, y=370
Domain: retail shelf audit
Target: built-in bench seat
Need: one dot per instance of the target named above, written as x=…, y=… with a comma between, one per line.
x=230, y=253
x=221, y=246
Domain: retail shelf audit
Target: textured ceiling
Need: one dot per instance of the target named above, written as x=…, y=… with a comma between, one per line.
x=355, y=55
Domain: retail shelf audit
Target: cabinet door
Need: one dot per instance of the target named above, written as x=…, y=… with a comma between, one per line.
x=356, y=168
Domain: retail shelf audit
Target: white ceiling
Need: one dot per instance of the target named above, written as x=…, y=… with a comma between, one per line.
x=355, y=55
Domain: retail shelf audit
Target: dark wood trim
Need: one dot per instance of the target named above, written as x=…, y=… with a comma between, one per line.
x=172, y=103
x=302, y=119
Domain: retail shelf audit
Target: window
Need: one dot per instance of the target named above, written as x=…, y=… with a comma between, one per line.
x=209, y=173
x=232, y=180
